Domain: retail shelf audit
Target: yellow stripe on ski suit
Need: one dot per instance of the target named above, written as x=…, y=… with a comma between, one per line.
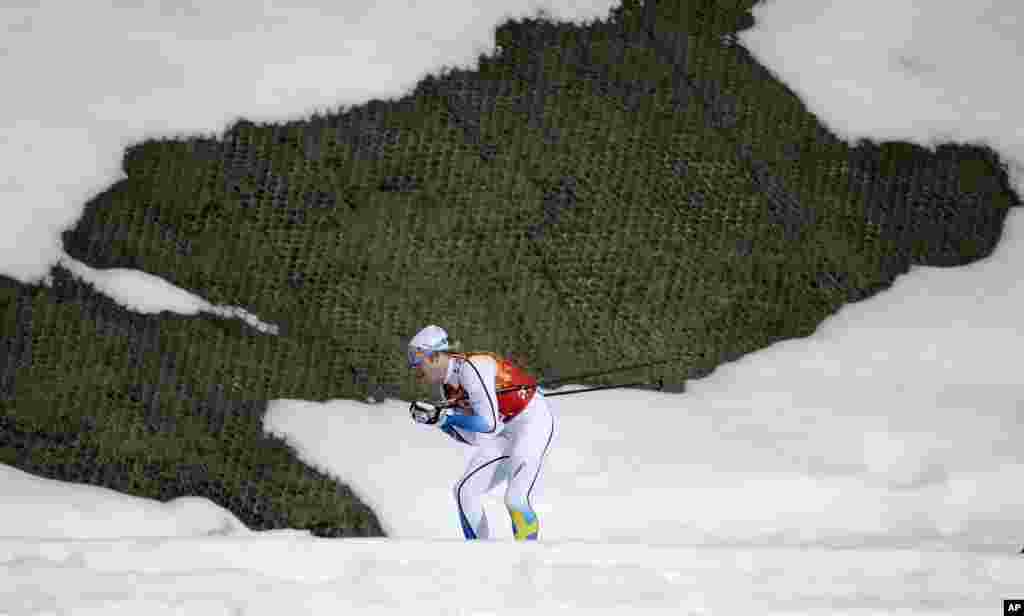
x=522, y=527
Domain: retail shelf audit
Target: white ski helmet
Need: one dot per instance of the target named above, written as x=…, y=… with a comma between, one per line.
x=425, y=343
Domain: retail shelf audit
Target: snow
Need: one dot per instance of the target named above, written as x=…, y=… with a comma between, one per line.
x=148, y=294
x=873, y=467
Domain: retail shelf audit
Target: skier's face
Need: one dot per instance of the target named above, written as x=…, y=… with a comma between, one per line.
x=431, y=371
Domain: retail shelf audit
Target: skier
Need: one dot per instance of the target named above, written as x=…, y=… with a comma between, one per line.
x=511, y=431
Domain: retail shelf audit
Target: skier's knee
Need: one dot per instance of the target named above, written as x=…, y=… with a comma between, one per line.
x=515, y=498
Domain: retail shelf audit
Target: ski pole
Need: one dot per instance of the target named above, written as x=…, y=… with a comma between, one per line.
x=659, y=386
x=580, y=377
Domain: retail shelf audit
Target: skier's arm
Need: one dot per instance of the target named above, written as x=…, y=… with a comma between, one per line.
x=473, y=423
x=478, y=381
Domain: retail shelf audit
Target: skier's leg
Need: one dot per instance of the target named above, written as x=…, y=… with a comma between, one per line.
x=484, y=471
x=524, y=466
x=525, y=524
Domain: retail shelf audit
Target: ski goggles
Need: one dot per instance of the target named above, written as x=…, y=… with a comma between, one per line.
x=418, y=356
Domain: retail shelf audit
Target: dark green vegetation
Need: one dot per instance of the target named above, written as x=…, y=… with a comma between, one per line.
x=636, y=192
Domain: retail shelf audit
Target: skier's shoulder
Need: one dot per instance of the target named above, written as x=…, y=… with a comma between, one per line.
x=471, y=367
x=476, y=358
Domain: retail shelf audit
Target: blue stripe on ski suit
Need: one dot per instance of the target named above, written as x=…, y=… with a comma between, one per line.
x=450, y=431
x=473, y=423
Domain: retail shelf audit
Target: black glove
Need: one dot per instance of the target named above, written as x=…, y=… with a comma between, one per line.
x=426, y=413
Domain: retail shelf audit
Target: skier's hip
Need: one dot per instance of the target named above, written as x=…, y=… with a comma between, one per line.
x=536, y=414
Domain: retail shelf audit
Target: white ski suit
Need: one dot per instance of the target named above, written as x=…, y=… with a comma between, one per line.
x=511, y=433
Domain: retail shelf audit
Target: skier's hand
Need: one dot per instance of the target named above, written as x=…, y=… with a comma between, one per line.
x=424, y=412
x=427, y=413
